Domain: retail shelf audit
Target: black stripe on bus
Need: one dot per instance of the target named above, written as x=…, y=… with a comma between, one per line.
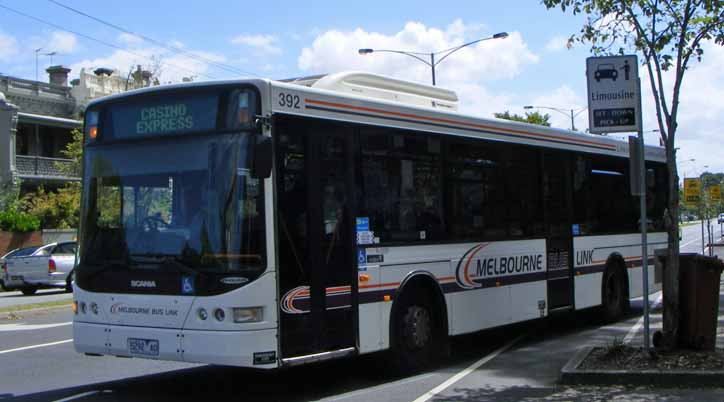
x=592, y=269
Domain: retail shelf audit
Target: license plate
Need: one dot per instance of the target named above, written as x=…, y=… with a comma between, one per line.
x=146, y=347
x=16, y=278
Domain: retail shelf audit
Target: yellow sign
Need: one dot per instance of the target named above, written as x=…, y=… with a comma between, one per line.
x=692, y=191
x=715, y=193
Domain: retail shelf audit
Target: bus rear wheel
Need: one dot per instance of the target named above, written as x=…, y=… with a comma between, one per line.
x=414, y=337
x=615, y=298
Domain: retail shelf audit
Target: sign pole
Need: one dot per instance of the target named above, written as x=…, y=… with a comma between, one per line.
x=644, y=221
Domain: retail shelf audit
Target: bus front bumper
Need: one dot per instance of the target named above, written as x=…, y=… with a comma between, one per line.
x=230, y=348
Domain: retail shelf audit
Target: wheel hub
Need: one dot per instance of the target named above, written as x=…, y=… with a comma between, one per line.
x=419, y=326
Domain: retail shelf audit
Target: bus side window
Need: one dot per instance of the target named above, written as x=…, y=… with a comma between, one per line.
x=402, y=185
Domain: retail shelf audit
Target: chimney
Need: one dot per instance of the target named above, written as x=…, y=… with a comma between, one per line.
x=103, y=71
x=58, y=75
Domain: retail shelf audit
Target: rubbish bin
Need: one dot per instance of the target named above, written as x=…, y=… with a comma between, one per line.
x=699, y=300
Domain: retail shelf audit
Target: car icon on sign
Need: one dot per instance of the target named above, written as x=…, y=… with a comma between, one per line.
x=605, y=70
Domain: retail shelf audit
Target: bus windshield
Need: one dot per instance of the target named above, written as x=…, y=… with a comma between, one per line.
x=191, y=200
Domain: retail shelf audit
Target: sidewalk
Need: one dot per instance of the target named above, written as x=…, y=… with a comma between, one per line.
x=530, y=370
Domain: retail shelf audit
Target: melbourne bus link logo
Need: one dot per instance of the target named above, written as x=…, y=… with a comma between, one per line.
x=471, y=272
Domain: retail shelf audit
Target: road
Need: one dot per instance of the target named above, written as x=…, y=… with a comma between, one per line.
x=691, y=240
x=521, y=362
x=38, y=363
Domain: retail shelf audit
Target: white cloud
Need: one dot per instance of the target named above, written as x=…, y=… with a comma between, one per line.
x=465, y=72
x=563, y=99
x=557, y=43
x=129, y=39
x=8, y=47
x=62, y=42
x=174, y=67
x=263, y=43
x=699, y=133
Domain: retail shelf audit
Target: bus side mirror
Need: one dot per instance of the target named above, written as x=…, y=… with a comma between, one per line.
x=263, y=158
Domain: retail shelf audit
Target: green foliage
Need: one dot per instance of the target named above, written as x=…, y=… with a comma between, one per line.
x=73, y=151
x=55, y=209
x=12, y=220
x=9, y=194
x=530, y=117
x=59, y=209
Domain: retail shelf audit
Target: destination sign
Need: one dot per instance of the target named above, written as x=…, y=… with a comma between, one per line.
x=174, y=114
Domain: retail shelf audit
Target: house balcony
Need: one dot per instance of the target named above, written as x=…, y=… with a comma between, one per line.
x=38, y=168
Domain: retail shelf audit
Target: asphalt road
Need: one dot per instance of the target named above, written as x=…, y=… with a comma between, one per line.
x=37, y=362
x=691, y=240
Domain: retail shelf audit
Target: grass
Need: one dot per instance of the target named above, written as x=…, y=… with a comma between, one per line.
x=33, y=306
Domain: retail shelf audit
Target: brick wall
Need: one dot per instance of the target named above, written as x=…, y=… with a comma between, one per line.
x=12, y=240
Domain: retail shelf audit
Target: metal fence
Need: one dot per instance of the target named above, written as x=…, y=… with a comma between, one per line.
x=38, y=166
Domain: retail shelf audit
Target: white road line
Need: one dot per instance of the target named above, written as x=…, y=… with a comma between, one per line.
x=30, y=327
x=691, y=242
x=74, y=397
x=379, y=387
x=457, y=377
x=42, y=345
x=632, y=332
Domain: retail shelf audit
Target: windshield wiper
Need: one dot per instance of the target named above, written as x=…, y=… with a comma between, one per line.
x=106, y=266
x=165, y=260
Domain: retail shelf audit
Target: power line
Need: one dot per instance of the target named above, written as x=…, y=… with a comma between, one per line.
x=56, y=26
x=172, y=48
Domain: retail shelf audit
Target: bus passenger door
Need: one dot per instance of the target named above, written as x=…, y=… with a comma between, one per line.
x=315, y=237
x=558, y=201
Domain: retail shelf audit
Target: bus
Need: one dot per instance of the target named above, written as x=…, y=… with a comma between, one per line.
x=267, y=224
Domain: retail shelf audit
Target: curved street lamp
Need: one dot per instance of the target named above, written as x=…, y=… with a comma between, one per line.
x=432, y=63
x=572, y=113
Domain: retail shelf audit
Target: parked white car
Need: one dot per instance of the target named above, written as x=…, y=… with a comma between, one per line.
x=47, y=266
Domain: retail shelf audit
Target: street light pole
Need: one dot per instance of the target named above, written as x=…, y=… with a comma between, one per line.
x=432, y=66
x=572, y=113
x=36, y=62
x=432, y=63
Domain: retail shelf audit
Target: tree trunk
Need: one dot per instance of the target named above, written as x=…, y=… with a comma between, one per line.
x=671, y=270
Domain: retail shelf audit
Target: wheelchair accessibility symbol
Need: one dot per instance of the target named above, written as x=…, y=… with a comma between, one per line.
x=187, y=285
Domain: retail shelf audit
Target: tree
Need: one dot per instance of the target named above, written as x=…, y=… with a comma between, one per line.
x=532, y=118
x=60, y=209
x=669, y=35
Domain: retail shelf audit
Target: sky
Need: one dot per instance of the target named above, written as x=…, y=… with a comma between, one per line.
x=216, y=39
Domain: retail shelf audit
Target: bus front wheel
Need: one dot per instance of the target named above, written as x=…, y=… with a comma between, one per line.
x=414, y=335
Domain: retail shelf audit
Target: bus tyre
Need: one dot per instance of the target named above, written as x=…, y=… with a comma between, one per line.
x=29, y=291
x=414, y=337
x=615, y=298
x=69, y=282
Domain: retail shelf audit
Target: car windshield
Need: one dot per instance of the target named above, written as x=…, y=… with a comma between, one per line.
x=23, y=252
x=192, y=200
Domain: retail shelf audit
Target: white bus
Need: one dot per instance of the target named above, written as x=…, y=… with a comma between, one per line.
x=264, y=224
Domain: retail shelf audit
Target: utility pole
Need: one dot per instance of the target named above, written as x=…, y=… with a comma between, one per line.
x=36, y=62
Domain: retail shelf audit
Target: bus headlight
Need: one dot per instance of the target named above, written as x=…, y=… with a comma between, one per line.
x=247, y=314
x=203, y=315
